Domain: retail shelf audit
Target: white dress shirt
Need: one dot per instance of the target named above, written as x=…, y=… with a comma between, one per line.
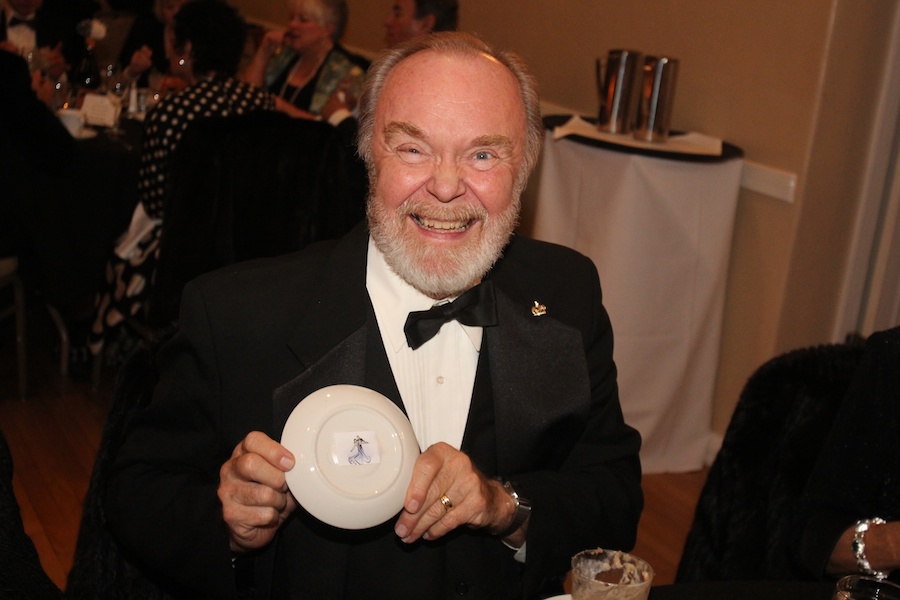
x=437, y=379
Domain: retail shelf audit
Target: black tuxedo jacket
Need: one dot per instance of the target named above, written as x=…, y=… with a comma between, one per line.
x=256, y=338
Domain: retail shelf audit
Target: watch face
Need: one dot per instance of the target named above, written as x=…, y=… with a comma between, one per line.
x=512, y=491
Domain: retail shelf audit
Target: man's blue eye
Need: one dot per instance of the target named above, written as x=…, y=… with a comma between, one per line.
x=482, y=155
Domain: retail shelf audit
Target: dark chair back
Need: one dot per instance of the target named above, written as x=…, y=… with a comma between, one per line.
x=100, y=571
x=257, y=185
x=742, y=525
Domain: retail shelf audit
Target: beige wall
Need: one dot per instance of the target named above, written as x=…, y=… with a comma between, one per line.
x=792, y=82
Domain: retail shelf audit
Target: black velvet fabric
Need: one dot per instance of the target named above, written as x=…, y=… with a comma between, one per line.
x=258, y=185
x=857, y=475
x=21, y=575
x=742, y=528
x=100, y=570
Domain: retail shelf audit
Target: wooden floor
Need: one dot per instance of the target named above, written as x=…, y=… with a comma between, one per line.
x=55, y=432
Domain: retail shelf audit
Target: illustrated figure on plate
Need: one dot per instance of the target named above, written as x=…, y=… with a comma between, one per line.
x=360, y=456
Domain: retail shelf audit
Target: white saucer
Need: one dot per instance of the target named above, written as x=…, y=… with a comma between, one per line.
x=332, y=480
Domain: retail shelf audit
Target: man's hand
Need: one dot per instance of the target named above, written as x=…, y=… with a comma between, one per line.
x=141, y=61
x=271, y=42
x=471, y=498
x=43, y=88
x=254, y=495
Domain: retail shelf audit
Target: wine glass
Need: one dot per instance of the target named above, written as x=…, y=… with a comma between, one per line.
x=108, y=73
x=117, y=86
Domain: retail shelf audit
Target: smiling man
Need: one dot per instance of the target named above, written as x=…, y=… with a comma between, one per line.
x=496, y=347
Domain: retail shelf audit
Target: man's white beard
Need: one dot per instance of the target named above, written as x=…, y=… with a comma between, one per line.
x=436, y=271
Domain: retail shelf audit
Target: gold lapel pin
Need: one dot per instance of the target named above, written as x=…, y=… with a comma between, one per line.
x=538, y=309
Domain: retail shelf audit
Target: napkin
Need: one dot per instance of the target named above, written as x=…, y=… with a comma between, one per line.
x=683, y=143
x=141, y=225
x=100, y=109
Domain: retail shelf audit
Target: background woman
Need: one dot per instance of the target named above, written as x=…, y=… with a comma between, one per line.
x=144, y=48
x=304, y=64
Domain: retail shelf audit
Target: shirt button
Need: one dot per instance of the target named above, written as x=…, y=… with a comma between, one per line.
x=440, y=379
x=462, y=588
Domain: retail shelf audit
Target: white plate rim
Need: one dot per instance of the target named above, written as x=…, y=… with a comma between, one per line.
x=305, y=434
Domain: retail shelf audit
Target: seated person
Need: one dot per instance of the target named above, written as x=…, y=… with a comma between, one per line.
x=205, y=45
x=144, y=48
x=412, y=18
x=850, y=522
x=36, y=158
x=526, y=458
x=47, y=39
x=408, y=19
x=304, y=65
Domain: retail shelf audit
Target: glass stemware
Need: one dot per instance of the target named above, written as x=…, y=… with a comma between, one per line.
x=117, y=85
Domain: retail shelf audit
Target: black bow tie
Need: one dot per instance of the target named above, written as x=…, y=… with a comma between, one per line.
x=475, y=307
x=17, y=21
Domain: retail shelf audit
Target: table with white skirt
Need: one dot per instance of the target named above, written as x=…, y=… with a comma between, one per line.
x=658, y=226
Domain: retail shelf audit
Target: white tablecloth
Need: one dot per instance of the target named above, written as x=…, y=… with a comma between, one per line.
x=659, y=231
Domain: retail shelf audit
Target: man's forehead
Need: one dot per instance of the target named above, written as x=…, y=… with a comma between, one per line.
x=474, y=90
x=428, y=68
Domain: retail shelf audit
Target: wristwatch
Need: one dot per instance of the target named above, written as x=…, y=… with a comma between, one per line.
x=858, y=546
x=523, y=509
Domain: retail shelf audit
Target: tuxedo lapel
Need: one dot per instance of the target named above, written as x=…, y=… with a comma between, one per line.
x=537, y=371
x=480, y=440
x=344, y=364
x=337, y=304
x=330, y=337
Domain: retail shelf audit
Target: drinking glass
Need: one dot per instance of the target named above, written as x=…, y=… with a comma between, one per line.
x=861, y=587
x=117, y=84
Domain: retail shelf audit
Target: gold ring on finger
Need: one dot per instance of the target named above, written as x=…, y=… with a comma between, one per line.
x=448, y=505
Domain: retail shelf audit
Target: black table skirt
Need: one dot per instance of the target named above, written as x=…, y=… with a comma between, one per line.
x=744, y=590
x=82, y=210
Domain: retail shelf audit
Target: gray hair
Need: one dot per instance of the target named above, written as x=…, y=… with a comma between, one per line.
x=461, y=44
x=329, y=12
